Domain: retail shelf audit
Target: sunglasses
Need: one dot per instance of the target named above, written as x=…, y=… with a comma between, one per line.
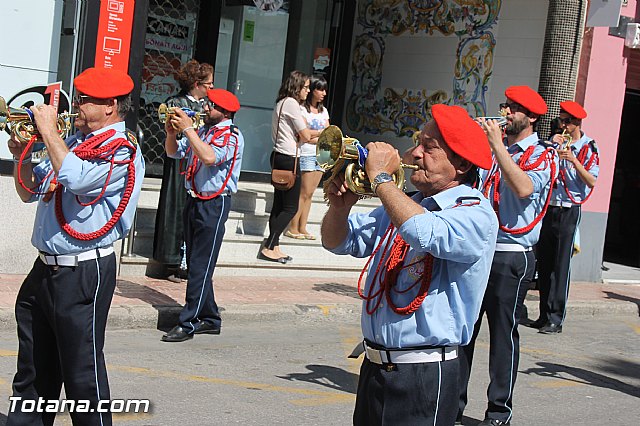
x=80, y=99
x=566, y=120
x=206, y=83
x=513, y=107
x=209, y=103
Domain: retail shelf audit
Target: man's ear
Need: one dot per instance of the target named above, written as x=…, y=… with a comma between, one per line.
x=464, y=166
x=112, y=106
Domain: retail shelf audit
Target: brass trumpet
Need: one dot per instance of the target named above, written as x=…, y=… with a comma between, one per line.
x=334, y=149
x=20, y=122
x=165, y=113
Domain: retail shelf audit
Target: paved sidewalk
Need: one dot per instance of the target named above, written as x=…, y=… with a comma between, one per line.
x=153, y=303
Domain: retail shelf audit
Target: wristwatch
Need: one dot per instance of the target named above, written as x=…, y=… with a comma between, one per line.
x=380, y=178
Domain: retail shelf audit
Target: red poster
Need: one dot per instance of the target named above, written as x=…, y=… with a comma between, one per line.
x=114, y=34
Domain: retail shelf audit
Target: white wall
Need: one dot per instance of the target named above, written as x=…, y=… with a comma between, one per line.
x=518, y=54
x=29, y=52
x=16, y=252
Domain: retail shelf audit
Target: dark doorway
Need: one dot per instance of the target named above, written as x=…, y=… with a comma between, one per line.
x=623, y=227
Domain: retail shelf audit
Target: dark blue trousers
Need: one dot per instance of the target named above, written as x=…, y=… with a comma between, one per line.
x=411, y=394
x=61, y=314
x=203, y=232
x=554, y=251
x=510, y=277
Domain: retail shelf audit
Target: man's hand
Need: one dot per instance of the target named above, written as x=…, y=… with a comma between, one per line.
x=169, y=129
x=493, y=132
x=557, y=138
x=179, y=121
x=46, y=119
x=382, y=158
x=339, y=195
x=16, y=147
x=566, y=154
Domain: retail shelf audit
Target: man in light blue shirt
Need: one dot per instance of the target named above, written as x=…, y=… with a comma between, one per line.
x=87, y=191
x=429, y=259
x=579, y=170
x=518, y=186
x=213, y=157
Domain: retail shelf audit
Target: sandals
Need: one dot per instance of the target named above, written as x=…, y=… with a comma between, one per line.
x=309, y=236
x=294, y=236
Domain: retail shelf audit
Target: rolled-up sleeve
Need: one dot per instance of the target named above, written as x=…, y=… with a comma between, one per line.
x=182, y=149
x=365, y=229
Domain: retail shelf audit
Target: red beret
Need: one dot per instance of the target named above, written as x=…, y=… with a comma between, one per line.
x=224, y=99
x=574, y=109
x=103, y=83
x=462, y=134
x=528, y=98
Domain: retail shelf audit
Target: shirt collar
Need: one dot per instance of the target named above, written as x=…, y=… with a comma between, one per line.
x=223, y=123
x=530, y=140
x=443, y=199
x=120, y=126
x=584, y=139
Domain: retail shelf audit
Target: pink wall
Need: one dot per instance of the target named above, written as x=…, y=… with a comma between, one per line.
x=604, y=98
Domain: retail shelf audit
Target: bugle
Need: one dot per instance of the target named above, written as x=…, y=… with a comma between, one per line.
x=333, y=149
x=165, y=113
x=20, y=123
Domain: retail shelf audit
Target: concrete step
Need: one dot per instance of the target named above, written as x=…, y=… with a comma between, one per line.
x=245, y=230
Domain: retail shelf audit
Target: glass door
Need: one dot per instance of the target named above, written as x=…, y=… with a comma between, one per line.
x=249, y=62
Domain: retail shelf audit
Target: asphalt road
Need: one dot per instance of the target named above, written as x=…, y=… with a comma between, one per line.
x=275, y=371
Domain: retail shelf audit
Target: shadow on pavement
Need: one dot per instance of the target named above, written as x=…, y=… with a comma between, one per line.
x=327, y=376
x=337, y=288
x=616, y=296
x=614, y=366
x=167, y=307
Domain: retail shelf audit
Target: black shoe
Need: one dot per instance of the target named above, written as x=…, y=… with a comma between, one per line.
x=550, y=328
x=282, y=260
x=492, y=422
x=539, y=323
x=204, y=327
x=177, y=334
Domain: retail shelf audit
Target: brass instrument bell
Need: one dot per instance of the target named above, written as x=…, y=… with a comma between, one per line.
x=165, y=113
x=332, y=147
x=19, y=122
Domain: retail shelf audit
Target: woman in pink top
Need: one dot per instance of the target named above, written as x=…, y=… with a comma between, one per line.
x=288, y=131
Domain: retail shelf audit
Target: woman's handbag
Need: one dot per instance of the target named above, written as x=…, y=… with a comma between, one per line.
x=283, y=180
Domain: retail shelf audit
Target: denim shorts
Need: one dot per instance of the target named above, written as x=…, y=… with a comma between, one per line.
x=309, y=163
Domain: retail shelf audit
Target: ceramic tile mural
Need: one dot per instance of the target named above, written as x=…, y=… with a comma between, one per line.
x=375, y=109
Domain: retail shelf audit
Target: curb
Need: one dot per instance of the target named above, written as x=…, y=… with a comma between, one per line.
x=164, y=317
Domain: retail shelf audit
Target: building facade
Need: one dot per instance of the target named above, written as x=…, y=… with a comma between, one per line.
x=386, y=63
